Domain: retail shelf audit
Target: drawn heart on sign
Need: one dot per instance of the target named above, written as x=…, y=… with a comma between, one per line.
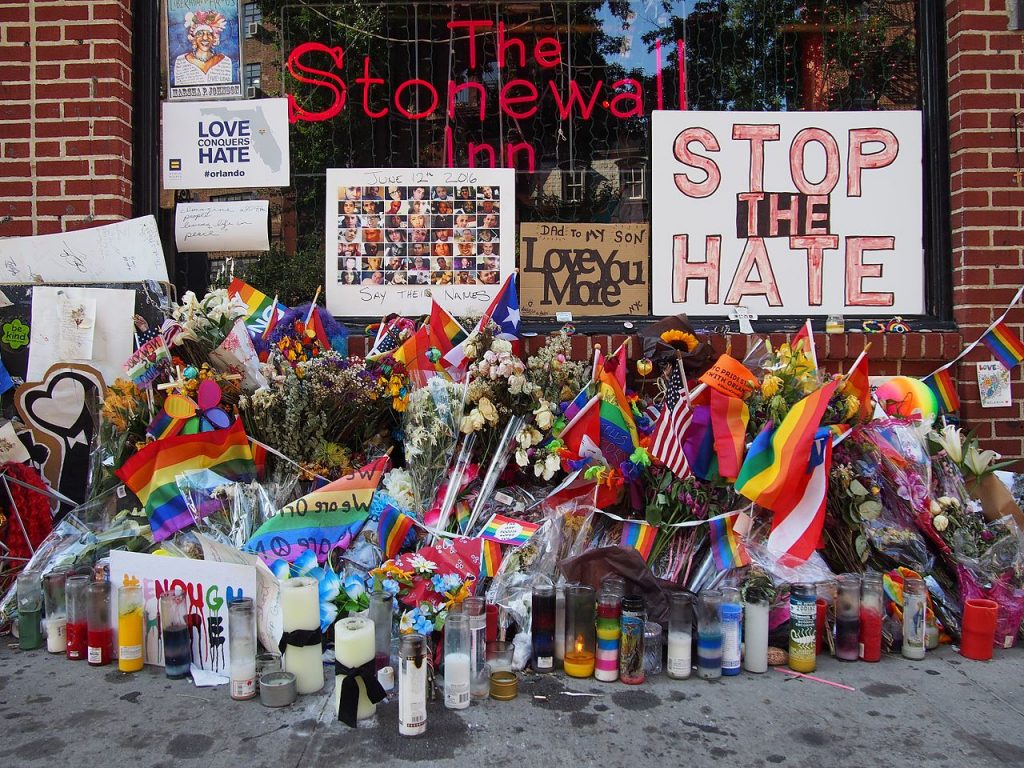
x=61, y=409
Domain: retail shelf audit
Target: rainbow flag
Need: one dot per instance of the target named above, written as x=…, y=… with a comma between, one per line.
x=260, y=305
x=804, y=341
x=444, y=330
x=775, y=472
x=729, y=417
x=619, y=437
x=490, y=558
x=392, y=530
x=858, y=383
x=508, y=530
x=1004, y=344
x=151, y=474
x=699, y=444
x=638, y=535
x=413, y=355
x=726, y=547
x=942, y=384
x=322, y=519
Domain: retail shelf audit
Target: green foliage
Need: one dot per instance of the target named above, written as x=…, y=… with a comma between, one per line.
x=294, y=279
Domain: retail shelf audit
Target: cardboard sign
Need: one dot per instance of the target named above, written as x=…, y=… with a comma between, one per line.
x=209, y=587
x=787, y=213
x=585, y=269
x=397, y=237
x=219, y=144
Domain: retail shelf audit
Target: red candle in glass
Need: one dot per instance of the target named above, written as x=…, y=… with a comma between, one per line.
x=101, y=646
x=77, y=640
x=870, y=635
x=819, y=634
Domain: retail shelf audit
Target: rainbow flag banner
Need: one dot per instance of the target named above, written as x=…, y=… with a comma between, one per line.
x=942, y=384
x=729, y=417
x=490, y=558
x=445, y=331
x=392, y=530
x=508, y=530
x=259, y=305
x=1004, y=344
x=320, y=520
x=152, y=473
x=726, y=547
x=638, y=535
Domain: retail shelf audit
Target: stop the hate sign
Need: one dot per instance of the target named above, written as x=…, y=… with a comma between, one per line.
x=787, y=213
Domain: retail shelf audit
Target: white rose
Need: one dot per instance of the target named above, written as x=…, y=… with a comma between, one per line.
x=935, y=508
x=941, y=522
x=521, y=458
x=544, y=417
x=501, y=345
x=470, y=350
x=551, y=465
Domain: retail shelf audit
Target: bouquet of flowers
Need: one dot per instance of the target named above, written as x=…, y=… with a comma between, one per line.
x=431, y=427
x=204, y=324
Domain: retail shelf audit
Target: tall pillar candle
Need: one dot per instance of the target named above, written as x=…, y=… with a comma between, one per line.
x=914, y=623
x=559, y=624
x=100, y=636
x=732, y=618
x=803, y=618
x=242, y=628
x=381, y=612
x=300, y=614
x=129, y=628
x=30, y=610
x=609, y=615
x=54, y=601
x=872, y=611
x=680, y=636
x=755, y=636
x=579, y=631
x=476, y=609
x=542, y=629
x=457, y=662
x=848, y=617
x=709, y=634
x=631, y=642
x=78, y=622
x=354, y=647
x=412, y=685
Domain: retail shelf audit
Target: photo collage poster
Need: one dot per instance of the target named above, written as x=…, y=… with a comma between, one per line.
x=398, y=237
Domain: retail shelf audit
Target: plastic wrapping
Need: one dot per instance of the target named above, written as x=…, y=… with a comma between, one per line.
x=229, y=512
x=522, y=568
x=431, y=426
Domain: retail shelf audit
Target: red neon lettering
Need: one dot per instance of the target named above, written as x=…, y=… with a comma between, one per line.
x=797, y=153
x=366, y=80
x=684, y=270
x=504, y=44
x=565, y=107
x=416, y=115
x=635, y=96
x=472, y=26
x=508, y=100
x=815, y=247
x=548, y=52
x=475, y=149
x=860, y=160
x=331, y=82
x=681, y=150
x=757, y=135
x=755, y=256
x=455, y=88
x=857, y=271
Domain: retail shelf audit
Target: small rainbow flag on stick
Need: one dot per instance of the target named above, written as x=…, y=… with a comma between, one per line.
x=726, y=547
x=1004, y=344
x=508, y=530
x=490, y=557
x=942, y=384
x=392, y=530
x=638, y=535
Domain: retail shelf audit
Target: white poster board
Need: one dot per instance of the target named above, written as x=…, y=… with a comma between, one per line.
x=397, y=237
x=787, y=213
x=105, y=346
x=235, y=225
x=124, y=252
x=209, y=587
x=226, y=144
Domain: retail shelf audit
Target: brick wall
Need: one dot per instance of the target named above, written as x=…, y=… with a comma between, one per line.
x=986, y=97
x=65, y=114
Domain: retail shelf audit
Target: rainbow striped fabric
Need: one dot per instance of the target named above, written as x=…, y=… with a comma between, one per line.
x=151, y=474
x=729, y=417
x=508, y=530
x=619, y=437
x=445, y=331
x=774, y=474
x=392, y=530
x=858, y=383
x=638, y=535
x=726, y=547
x=942, y=384
x=259, y=305
x=1004, y=344
x=490, y=557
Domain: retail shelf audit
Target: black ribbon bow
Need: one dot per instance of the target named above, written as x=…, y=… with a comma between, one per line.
x=300, y=638
x=349, y=704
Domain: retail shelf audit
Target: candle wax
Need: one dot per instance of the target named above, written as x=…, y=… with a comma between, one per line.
x=579, y=664
x=354, y=645
x=456, y=680
x=77, y=643
x=680, y=650
x=129, y=640
x=101, y=646
x=300, y=609
x=56, y=634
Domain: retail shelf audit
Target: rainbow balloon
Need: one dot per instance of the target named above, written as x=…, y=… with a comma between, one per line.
x=908, y=398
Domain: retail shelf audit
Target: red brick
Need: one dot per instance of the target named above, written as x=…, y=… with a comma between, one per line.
x=47, y=188
x=63, y=168
x=112, y=128
x=983, y=62
x=14, y=73
x=97, y=147
x=102, y=70
x=48, y=149
x=18, y=34
x=64, y=90
x=113, y=11
x=98, y=33
x=49, y=110
x=15, y=208
x=61, y=129
x=19, y=92
x=49, y=34
x=62, y=12
x=116, y=207
x=95, y=186
x=104, y=51
x=114, y=89
x=16, y=149
x=106, y=167
x=16, y=228
x=48, y=72
x=10, y=14
x=1005, y=81
x=11, y=189
x=48, y=226
x=64, y=207
x=67, y=52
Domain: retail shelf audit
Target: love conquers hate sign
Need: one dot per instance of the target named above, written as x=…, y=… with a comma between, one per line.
x=790, y=213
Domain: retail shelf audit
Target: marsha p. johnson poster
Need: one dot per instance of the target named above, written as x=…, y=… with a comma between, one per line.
x=204, y=45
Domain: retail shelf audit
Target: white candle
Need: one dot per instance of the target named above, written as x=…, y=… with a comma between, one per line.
x=56, y=634
x=680, y=648
x=755, y=637
x=354, y=646
x=300, y=610
x=456, y=680
x=243, y=677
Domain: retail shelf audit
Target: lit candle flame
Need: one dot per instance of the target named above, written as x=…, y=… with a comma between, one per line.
x=579, y=643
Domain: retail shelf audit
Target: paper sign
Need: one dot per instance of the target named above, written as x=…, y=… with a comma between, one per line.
x=11, y=447
x=209, y=587
x=508, y=530
x=236, y=355
x=113, y=336
x=269, y=620
x=788, y=213
x=127, y=251
x=227, y=226
x=994, y=385
x=587, y=269
x=217, y=144
x=729, y=376
x=77, y=325
x=149, y=362
x=397, y=237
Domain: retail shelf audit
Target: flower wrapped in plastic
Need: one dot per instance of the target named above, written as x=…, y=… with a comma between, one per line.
x=431, y=426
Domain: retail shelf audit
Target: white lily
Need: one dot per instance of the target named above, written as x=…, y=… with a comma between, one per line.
x=951, y=442
x=978, y=462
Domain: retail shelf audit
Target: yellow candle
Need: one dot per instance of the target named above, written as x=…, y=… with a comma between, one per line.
x=129, y=640
x=578, y=662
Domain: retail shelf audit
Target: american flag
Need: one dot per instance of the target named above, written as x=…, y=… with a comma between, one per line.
x=389, y=341
x=670, y=430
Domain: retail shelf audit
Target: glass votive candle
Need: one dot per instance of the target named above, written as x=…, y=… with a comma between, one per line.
x=54, y=600
x=100, y=633
x=242, y=628
x=499, y=656
x=581, y=640
x=177, y=644
x=30, y=611
x=78, y=622
x=709, y=634
x=653, y=648
x=129, y=628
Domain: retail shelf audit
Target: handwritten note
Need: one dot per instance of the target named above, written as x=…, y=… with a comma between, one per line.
x=77, y=326
x=128, y=251
x=224, y=226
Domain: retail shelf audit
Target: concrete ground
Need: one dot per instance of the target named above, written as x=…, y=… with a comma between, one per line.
x=943, y=711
